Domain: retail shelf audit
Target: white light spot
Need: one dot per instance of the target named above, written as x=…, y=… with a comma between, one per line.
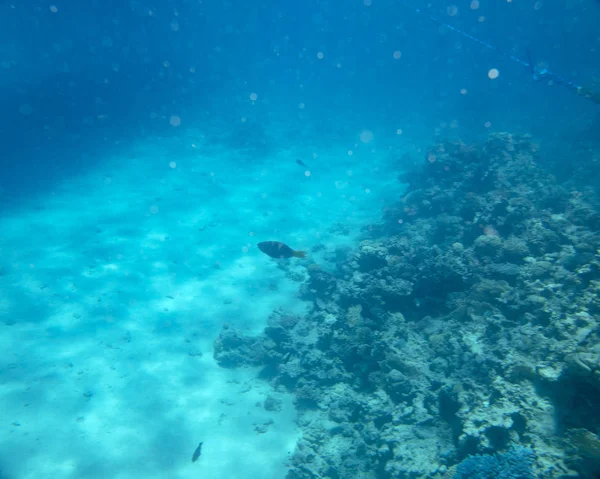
x=307, y=173
x=175, y=120
x=350, y=152
x=463, y=91
x=320, y=55
x=493, y=73
x=173, y=165
x=253, y=96
x=397, y=54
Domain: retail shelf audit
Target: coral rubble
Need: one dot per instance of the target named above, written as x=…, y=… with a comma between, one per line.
x=466, y=325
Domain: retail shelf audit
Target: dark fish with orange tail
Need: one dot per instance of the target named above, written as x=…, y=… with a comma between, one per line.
x=278, y=250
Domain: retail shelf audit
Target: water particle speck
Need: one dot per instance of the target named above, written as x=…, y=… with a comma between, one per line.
x=350, y=152
x=463, y=91
x=25, y=109
x=400, y=221
x=474, y=4
x=307, y=173
x=452, y=10
x=172, y=164
x=487, y=124
x=154, y=209
x=493, y=73
x=53, y=8
x=366, y=136
x=399, y=131
x=397, y=54
x=253, y=96
x=175, y=120
x=320, y=55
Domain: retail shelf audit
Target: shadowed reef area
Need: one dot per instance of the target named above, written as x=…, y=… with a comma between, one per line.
x=465, y=323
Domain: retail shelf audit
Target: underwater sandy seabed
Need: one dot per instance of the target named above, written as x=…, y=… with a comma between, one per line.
x=113, y=289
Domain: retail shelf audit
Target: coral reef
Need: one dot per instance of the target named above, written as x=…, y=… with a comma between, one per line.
x=516, y=463
x=465, y=324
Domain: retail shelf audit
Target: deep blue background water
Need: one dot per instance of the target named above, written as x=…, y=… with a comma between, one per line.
x=94, y=73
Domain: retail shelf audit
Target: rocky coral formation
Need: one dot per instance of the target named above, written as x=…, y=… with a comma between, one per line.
x=469, y=326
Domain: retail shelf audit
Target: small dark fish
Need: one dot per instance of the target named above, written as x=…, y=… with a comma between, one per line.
x=275, y=249
x=197, y=453
x=301, y=163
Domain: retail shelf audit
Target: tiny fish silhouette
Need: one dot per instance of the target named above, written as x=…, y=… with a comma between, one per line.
x=301, y=163
x=197, y=453
x=275, y=249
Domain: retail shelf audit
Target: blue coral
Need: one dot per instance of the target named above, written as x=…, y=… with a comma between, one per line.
x=517, y=463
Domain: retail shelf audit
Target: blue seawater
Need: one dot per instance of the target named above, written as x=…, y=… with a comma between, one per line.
x=438, y=162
